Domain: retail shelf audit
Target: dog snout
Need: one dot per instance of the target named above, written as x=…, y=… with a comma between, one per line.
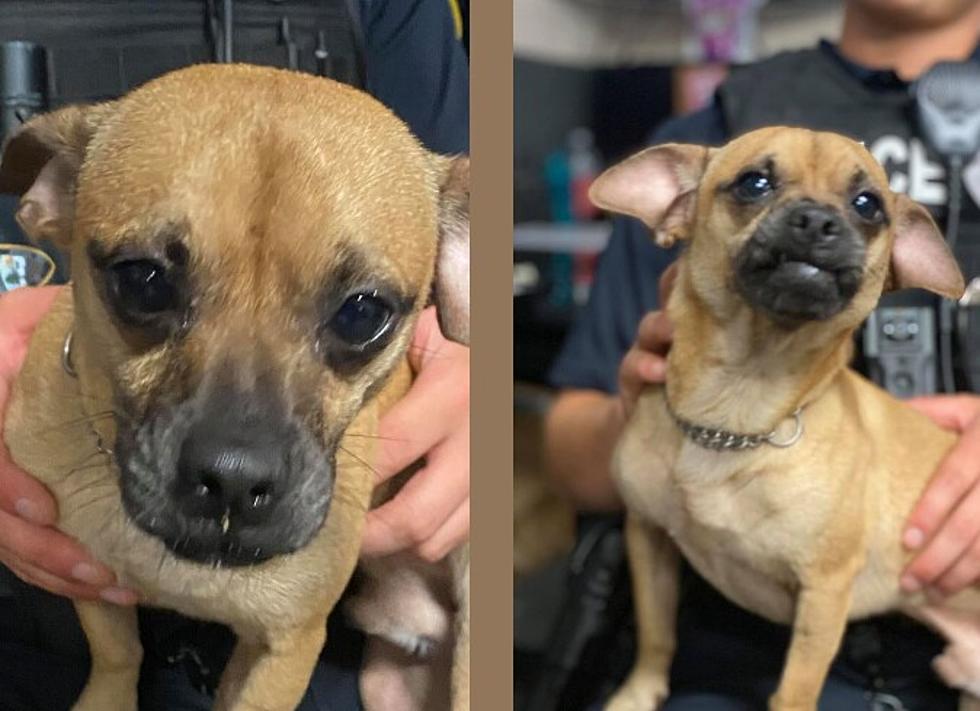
x=804, y=262
x=235, y=484
x=227, y=477
x=814, y=224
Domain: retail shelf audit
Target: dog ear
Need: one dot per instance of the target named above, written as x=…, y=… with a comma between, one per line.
x=920, y=256
x=657, y=186
x=40, y=163
x=452, y=280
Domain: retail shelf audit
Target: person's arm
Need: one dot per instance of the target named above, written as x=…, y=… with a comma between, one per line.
x=583, y=426
x=604, y=364
x=581, y=429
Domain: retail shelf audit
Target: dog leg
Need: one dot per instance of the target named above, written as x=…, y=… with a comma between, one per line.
x=821, y=615
x=416, y=618
x=959, y=664
x=392, y=679
x=114, y=641
x=271, y=676
x=653, y=564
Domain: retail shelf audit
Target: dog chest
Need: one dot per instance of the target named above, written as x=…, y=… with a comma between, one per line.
x=739, y=524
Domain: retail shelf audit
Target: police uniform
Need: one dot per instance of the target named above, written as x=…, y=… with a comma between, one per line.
x=412, y=61
x=728, y=659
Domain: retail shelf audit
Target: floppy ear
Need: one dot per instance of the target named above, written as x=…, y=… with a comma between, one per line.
x=656, y=185
x=40, y=163
x=920, y=256
x=452, y=280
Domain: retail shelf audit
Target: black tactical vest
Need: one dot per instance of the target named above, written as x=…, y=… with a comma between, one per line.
x=98, y=51
x=811, y=88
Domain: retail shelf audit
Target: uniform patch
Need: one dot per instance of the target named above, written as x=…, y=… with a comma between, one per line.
x=21, y=265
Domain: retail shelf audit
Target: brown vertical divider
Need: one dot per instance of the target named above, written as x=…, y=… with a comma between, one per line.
x=491, y=141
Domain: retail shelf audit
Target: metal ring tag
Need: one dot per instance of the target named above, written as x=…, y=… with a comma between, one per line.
x=66, y=356
x=795, y=436
x=22, y=265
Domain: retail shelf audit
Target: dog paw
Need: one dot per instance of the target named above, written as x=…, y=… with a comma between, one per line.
x=959, y=669
x=419, y=646
x=639, y=693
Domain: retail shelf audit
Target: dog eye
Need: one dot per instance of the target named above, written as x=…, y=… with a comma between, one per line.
x=143, y=287
x=361, y=319
x=868, y=206
x=752, y=186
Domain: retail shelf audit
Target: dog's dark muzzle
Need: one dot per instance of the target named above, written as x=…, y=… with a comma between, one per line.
x=227, y=483
x=804, y=263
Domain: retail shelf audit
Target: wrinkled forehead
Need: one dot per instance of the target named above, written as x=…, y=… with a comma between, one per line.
x=284, y=185
x=812, y=159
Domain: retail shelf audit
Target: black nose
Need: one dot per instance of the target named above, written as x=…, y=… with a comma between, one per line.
x=234, y=484
x=809, y=224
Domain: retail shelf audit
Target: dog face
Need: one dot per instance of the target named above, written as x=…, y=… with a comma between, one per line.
x=250, y=249
x=797, y=225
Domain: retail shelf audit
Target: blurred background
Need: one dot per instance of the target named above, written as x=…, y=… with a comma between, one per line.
x=592, y=80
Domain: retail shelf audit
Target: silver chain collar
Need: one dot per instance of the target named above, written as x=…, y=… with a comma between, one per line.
x=69, y=367
x=723, y=440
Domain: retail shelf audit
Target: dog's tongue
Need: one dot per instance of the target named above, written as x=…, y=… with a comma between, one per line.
x=804, y=269
x=803, y=277
x=800, y=270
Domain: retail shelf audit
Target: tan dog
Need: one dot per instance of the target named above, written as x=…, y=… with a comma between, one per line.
x=782, y=476
x=250, y=249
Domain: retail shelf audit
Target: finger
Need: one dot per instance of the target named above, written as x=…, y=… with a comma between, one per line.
x=639, y=368
x=412, y=427
x=959, y=531
x=44, y=580
x=956, y=474
x=32, y=575
x=453, y=533
x=23, y=495
x=423, y=505
x=952, y=412
x=964, y=572
x=53, y=552
x=655, y=333
x=667, y=281
x=21, y=309
x=427, y=339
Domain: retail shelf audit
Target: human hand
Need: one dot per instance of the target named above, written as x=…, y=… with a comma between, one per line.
x=431, y=513
x=945, y=523
x=646, y=361
x=30, y=546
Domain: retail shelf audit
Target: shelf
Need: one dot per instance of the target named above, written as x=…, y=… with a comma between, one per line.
x=570, y=238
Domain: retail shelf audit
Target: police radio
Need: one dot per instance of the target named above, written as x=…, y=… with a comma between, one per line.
x=900, y=342
x=948, y=99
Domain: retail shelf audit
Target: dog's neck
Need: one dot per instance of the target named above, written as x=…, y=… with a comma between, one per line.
x=744, y=374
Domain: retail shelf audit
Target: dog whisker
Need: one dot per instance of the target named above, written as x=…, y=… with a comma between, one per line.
x=78, y=421
x=73, y=466
x=105, y=402
x=359, y=459
x=86, y=485
x=374, y=436
x=80, y=468
x=348, y=499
